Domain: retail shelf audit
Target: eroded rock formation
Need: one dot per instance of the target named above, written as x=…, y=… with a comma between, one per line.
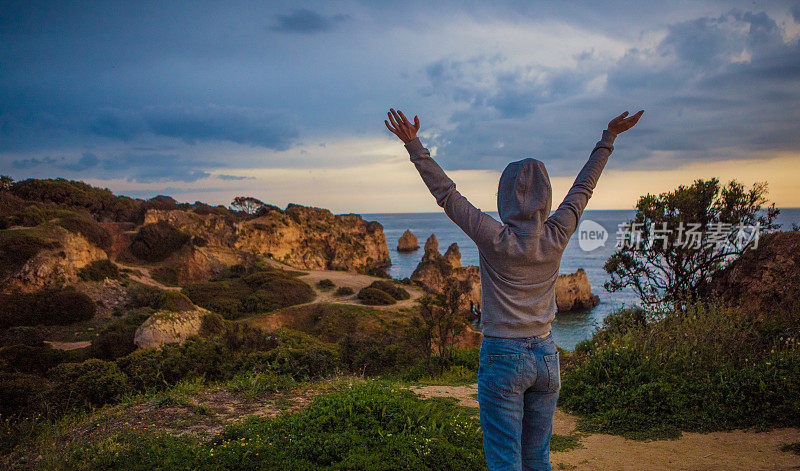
x=57, y=265
x=573, y=292
x=765, y=278
x=435, y=271
x=302, y=237
x=408, y=242
x=165, y=327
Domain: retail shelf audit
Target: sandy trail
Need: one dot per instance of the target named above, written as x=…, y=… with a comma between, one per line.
x=142, y=275
x=353, y=280
x=68, y=345
x=734, y=450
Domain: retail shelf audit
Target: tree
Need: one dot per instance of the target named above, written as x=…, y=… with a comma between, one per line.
x=678, y=240
x=441, y=320
x=248, y=204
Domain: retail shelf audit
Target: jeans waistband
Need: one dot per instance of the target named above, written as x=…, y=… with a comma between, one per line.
x=529, y=340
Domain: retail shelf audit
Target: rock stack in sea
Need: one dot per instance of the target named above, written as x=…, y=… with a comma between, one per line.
x=408, y=242
x=574, y=292
x=435, y=271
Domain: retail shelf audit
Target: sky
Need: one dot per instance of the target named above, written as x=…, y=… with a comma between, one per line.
x=285, y=101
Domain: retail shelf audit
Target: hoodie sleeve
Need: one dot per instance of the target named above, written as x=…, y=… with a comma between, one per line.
x=566, y=216
x=479, y=226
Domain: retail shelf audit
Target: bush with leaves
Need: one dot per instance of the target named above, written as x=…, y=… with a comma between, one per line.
x=91, y=383
x=99, y=270
x=325, y=284
x=20, y=393
x=649, y=374
x=22, y=335
x=368, y=426
x=55, y=306
x=375, y=297
x=99, y=202
x=155, y=242
x=30, y=359
x=236, y=294
x=390, y=287
x=344, y=291
x=116, y=339
x=440, y=320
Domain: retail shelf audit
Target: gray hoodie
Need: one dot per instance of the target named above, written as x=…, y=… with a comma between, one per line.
x=520, y=256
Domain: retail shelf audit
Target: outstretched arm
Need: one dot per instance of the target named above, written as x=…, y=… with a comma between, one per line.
x=566, y=216
x=479, y=226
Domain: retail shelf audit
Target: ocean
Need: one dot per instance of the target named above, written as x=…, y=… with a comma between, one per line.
x=568, y=328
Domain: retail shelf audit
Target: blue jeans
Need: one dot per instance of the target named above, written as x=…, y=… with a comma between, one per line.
x=518, y=385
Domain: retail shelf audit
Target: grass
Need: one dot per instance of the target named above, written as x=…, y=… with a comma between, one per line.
x=562, y=443
x=366, y=425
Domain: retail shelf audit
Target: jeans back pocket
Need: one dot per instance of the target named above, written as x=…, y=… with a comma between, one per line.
x=500, y=372
x=553, y=372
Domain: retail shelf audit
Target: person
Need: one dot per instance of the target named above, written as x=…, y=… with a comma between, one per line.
x=519, y=377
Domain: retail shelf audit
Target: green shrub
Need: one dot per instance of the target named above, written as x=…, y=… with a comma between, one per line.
x=325, y=284
x=712, y=368
x=17, y=247
x=375, y=297
x=20, y=392
x=166, y=275
x=116, y=339
x=311, y=361
x=236, y=336
x=157, y=368
x=390, y=287
x=22, y=335
x=57, y=306
x=29, y=359
x=173, y=300
x=141, y=295
x=93, y=382
x=373, y=356
x=155, y=242
x=99, y=270
x=344, y=291
x=258, y=292
x=365, y=427
x=101, y=203
x=86, y=226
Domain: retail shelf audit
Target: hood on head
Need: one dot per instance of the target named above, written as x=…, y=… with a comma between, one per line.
x=524, y=195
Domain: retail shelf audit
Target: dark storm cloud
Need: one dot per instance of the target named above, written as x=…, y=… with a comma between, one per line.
x=133, y=167
x=714, y=87
x=156, y=168
x=34, y=162
x=192, y=124
x=305, y=21
x=175, y=91
x=86, y=162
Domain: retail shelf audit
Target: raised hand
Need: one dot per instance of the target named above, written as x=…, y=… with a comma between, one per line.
x=621, y=124
x=401, y=127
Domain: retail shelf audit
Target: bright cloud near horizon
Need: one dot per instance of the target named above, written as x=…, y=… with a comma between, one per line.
x=285, y=101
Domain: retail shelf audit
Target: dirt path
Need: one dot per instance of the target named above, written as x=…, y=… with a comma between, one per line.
x=142, y=275
x=353, y=280
x=68, y=345
x=735, y=450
